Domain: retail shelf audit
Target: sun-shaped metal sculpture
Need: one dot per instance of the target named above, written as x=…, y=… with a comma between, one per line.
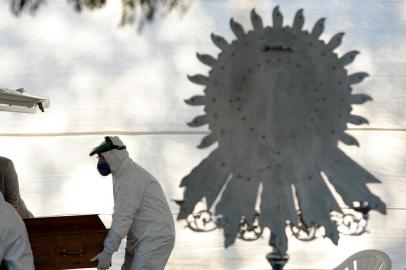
x=277, y=101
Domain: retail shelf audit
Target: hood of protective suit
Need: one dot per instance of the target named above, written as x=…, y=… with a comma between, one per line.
x=117, y=159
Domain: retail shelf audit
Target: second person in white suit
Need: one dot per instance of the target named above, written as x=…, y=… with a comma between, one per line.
x=15, y=249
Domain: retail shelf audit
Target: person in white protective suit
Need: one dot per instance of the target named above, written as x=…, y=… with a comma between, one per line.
x=141, y=212
x=15, y=249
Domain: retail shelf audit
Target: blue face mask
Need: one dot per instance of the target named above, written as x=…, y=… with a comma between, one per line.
x=103, y=168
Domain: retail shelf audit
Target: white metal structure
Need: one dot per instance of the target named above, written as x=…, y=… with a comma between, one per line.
x=370, y=259
x=18, y=101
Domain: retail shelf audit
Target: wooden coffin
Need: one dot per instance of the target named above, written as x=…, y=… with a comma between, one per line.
x=66, y=242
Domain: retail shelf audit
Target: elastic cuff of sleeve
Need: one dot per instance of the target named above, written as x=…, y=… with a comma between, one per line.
x=112, y=241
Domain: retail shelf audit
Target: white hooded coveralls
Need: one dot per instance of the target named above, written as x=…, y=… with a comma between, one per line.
x=15, y=249
x=141, y=213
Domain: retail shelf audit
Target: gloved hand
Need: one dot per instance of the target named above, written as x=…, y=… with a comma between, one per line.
x=104, y=260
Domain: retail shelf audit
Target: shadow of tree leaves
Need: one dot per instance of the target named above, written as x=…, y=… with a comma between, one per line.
x=137, y=12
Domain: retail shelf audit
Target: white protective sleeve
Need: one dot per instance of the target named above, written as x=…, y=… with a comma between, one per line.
x=128, y=192
x=127, y=202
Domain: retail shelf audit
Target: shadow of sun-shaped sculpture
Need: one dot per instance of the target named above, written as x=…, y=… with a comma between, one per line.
x=277, y=101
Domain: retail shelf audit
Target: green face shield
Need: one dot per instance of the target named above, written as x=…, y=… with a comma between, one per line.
x=107, y=145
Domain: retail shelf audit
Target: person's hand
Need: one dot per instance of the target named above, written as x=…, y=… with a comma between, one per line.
x=104, y=260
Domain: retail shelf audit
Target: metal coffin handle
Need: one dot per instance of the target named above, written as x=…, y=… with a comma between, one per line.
x=79, y=252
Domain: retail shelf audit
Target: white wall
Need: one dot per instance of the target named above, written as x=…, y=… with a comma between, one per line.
x=104, y=80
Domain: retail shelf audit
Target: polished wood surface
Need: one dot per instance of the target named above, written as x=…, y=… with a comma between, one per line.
x=66, y=242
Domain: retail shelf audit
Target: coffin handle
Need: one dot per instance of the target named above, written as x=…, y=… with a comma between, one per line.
x=79, y=252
